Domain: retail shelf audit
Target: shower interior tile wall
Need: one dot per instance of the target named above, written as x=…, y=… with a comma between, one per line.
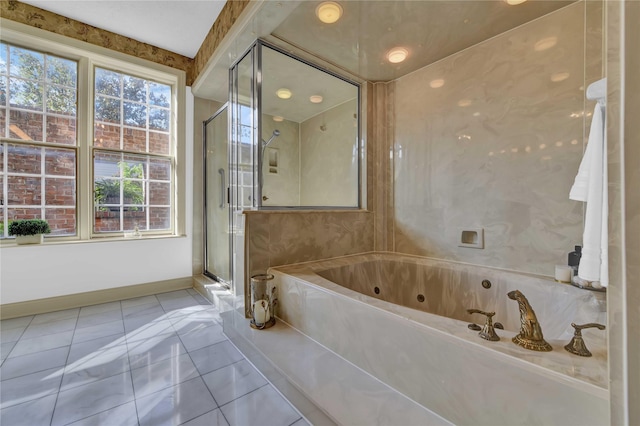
x=498, y=145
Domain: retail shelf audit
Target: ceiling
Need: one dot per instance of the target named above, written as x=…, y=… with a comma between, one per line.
x=430, y=30
x=179, y=26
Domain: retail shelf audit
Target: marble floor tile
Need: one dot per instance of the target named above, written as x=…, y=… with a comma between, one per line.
x=301, y=422
x=5, y=349
x=98, y=318
x=89, y=399
x=56, y=316
x=264, y=406
x=215, y=356
x=189, y=318
x=153, y=308
x=29, y=387
x=47, y=328
x=178, y=303
x=212, y=418
x=175, y=405
x=172, y=295
x=142, y=330
x=154, y=349
x=122, y=415
x=43, y=343
x=201, y=337
x=163, y=374
x=94, y=346
x=20, y=322
x=97, y=331
x=233, y=381
x=34, y=362
x=100, y=308
x=96, y=366
x=11, y=335
x=33, y=413
x=199, y=298
x=136, y=301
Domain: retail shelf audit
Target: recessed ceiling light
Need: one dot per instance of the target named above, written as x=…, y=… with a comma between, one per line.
x=283, y=93
x=559, y=76
x=514, y=2
x=278, y=118
x=329, y=12
x=315, y=99
x=545, y=43
x=397, y=55
x=438, y=82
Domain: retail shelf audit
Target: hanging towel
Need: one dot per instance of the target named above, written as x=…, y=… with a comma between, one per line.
x=590, y=186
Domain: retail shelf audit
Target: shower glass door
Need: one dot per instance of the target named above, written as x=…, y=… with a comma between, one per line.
x=217, y=241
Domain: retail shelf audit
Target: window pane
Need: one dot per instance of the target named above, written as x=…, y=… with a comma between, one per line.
x=60, y=162
x=3, y=122
x=135, y=140
x=26, y=94
x=107, y=109
x=62, y=71
x=26, y=63
x=159, y=119
x=3, y=91
x=107, y=220
x=159, y=94
x=159, y=218
x=62, y=221
x=160, y=169
x=106, y=136
x=24, y=213
x=135, y=89
x=60, y=192
x=61, y=130
x=135, y=114
x=24, y=159
x=107, y=82
x=159, y=143
x=160, y=193
x=61, y=100
x=3, y=58
x=24, y=190
x=26, y=126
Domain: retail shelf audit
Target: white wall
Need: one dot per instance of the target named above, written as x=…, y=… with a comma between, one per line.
x=49, y=270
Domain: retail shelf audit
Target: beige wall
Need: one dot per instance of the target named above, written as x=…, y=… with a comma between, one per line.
x=282, y=188
x=497, y=146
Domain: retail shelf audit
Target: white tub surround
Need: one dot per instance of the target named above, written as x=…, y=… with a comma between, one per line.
x=432, y=357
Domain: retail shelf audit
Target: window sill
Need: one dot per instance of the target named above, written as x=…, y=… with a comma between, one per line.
x=55, y=242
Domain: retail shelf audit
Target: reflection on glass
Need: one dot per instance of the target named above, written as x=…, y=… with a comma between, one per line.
x=309, y=147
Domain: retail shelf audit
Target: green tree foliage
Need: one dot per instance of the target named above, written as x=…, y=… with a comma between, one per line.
x=107, y=190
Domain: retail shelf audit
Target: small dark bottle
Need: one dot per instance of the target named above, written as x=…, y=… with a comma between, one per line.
x=574, y=259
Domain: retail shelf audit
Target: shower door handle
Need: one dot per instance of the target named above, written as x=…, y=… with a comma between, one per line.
x=223, y=187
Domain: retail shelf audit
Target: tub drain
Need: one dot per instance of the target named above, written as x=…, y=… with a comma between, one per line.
x=376, y=290
x=420, y=298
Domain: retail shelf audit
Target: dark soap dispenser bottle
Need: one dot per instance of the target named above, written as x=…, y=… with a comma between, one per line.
x=574, y=259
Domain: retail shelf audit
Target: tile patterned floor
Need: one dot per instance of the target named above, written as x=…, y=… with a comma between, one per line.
x=153, y=360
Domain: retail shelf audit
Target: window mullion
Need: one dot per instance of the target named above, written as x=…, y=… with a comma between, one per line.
x=84, y=162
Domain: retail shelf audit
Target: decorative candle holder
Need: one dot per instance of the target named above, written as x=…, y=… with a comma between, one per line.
x=263, y=301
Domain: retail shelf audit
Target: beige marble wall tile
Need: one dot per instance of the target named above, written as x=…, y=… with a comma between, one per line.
x=497, y=146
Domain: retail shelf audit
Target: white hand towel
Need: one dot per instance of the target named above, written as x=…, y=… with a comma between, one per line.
x=591, y=186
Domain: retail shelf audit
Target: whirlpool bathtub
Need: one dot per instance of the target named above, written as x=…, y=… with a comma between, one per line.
x=404, y=320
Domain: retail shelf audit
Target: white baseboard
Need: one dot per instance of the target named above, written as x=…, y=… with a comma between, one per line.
x=50, y=304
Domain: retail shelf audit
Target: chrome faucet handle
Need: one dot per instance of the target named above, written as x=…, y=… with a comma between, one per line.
x=576, y=345
x=487, y=332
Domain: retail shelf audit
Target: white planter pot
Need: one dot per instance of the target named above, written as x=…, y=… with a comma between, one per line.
x=29, y=239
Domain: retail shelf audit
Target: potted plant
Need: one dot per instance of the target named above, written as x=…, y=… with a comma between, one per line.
x=29, y=231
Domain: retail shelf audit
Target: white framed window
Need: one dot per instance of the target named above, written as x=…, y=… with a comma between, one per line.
x=90, y=139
